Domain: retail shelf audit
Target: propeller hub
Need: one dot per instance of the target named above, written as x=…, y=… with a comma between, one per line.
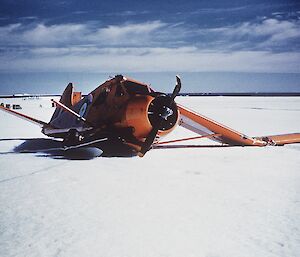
x=161, y=109
x=166, y=112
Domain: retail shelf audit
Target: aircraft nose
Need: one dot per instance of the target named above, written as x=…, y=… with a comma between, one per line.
x=160, y=108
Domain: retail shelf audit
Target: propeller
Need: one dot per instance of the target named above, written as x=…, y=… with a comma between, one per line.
x=161, y=115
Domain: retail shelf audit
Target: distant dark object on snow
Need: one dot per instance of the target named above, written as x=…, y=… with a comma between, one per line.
x=14, y=106
x=17, y=107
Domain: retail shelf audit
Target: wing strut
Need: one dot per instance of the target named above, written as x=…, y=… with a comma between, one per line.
x=186, y=139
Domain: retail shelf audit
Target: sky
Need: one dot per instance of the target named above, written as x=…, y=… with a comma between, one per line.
x=228, y=46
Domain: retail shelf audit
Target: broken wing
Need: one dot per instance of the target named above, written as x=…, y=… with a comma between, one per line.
x=205, y=126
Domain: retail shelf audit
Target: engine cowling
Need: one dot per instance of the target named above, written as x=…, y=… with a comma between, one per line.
x=141, y=112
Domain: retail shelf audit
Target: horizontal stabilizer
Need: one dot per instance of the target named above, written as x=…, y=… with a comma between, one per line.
x=24, y=117
x=281, y=139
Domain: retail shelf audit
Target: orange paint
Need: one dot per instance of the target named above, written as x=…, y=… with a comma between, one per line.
x=228, y=135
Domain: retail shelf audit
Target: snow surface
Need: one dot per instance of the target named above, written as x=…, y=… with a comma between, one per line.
x=212, y=202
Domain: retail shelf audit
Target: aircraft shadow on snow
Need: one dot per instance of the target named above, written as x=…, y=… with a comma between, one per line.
x=53, y=148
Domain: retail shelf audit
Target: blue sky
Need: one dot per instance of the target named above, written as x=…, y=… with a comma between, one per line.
x=215, y=45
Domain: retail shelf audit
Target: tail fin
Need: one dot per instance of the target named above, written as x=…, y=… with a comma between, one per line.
x=64, y=99
x=69, y=98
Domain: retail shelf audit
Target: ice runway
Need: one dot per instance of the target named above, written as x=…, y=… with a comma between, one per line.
x=212, y=202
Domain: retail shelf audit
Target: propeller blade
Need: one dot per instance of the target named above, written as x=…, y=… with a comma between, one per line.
x=177, y=88
x=163, y=114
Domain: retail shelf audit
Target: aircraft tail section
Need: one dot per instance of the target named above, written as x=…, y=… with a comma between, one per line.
x=64, y=99
x=69, y=98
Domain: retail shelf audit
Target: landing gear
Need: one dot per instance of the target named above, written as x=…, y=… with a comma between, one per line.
x=72, y=138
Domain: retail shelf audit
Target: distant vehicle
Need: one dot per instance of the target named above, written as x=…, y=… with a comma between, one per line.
x=123, y=113
x=17, y=107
